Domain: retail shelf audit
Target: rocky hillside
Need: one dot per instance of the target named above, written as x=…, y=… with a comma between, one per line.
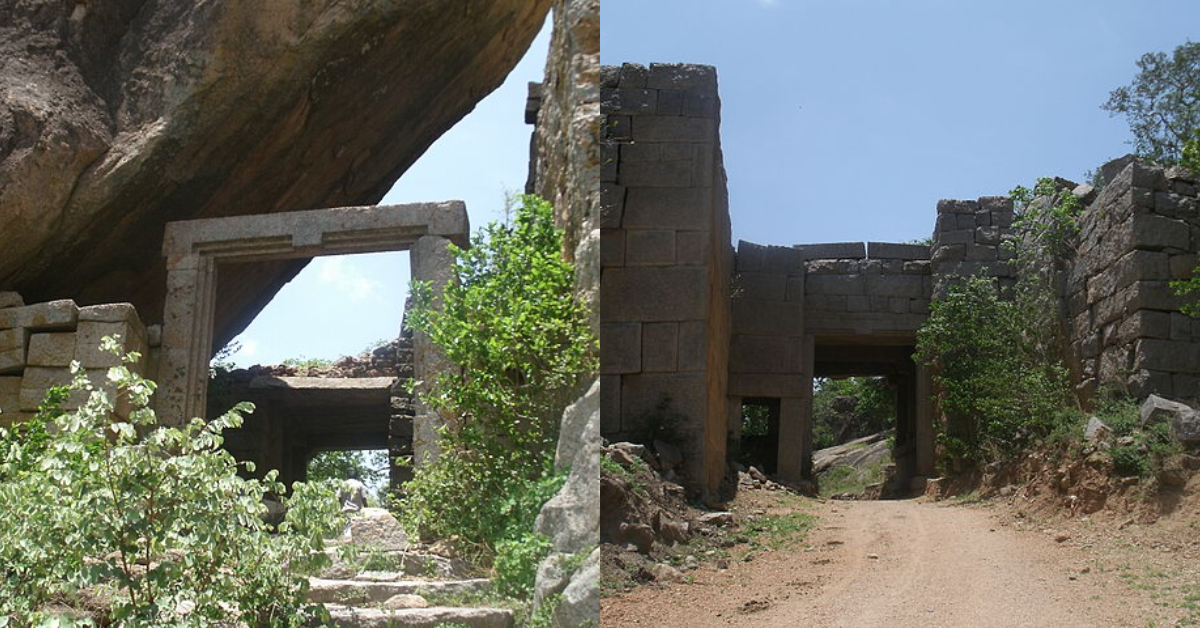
x=120, y=116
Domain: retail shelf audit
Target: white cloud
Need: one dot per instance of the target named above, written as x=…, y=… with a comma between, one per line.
x=345, y=278
x=248, y=349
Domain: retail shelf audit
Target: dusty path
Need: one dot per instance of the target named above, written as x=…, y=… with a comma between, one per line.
x=897, y=564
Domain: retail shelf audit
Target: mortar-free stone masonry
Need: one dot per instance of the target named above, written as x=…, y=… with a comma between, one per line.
x=692, y=327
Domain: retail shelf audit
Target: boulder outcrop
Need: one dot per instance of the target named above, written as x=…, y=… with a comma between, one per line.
x=120, y=116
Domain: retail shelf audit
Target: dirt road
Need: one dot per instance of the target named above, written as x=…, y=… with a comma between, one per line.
x=897, y=564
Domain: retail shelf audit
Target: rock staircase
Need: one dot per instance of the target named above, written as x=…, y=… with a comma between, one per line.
x=417, y=589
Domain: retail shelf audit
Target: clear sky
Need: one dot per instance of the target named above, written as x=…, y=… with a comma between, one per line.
x=847, y=120
x=340, y=305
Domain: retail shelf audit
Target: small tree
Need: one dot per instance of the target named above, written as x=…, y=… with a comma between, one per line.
x=149, y=524
x=521, y=340
x=1162, y=104
x=995, y=389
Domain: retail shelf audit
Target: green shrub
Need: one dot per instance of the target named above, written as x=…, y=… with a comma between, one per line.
x=517, y=562
x=1190, y=289
x=994, y=389
x=370, y=466
x=151, y=524
x=1145, y=448
x=520, y=338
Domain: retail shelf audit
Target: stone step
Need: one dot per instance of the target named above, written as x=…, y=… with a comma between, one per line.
x=441, y=570
x=357, y=592
x=349, y=617
x=409, y=563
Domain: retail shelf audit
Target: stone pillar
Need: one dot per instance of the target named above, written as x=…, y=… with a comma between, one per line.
x=430, y=261
x=733, y=436
x=792, y=427
x=924, y=422
x=808, y=357
x=187, y=338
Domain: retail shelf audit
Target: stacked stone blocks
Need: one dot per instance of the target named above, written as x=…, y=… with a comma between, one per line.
x=662, y=214
x=968, y=240
x=1126, y=330
x=39, y=342
x=766, y=356
x=879, y=287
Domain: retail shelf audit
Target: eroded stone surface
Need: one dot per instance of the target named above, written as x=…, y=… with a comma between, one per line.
x=361, y=592
x=376, y=528
x=421, y=617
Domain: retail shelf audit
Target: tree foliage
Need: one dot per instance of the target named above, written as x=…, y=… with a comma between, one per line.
x=995, y=390
x=149, y=525
x=371, y=467
x=1189, y=288
x=872, y=409
x=521, y=342
x=1162, y=104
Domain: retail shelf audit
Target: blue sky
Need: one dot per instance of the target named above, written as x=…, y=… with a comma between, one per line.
x=847, y=120
x=340, y=305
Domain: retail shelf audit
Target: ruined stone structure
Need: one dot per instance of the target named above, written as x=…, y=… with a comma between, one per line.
x=361, y=402
x=198, y=251
x=1126, y=329
x=297, y=416
x=39, y=342
x=691, y=331
x=122, y=118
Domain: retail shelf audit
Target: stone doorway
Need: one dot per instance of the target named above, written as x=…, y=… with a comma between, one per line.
x=301, y=415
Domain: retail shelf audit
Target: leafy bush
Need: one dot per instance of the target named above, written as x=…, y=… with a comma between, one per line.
x=1189, y=288
x=995, y=390
x=149, y=525
x=756, y=419
x=1139, y=451
x=517, y=562
x=520, y=338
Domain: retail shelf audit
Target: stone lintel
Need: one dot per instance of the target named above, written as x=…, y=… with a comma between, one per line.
x=336, y=230
x=833, y=250
x=322, y=383
x=892, y=250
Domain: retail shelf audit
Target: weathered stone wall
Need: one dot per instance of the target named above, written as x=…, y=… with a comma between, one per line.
x=567, y=144
x=566, y=170
x=666, y=260
x=967, y=240
x=881, y=288
x=39, y=342
x=767, y=345
x=1126, y=329
x=767, y=351
x=357, y=402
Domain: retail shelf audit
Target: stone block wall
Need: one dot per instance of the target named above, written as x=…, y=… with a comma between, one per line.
x=38, y=343
x=877, y=288
x=1126, y=330
x=766, y=356
x=967, y=240
x=666, y=260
